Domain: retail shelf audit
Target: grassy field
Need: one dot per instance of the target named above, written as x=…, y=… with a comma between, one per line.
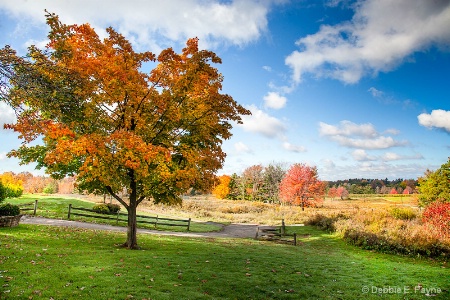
x=39, y=262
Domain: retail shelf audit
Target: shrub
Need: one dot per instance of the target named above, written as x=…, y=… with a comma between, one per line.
x=325, y=222
x=380, y=231
x=404, y=213
x=113, y=208
x=13, y=191
x=2, y=192
x=437, y=215
x=101, y=208
x=108, y=208
x=8, y=209
x=51, y=188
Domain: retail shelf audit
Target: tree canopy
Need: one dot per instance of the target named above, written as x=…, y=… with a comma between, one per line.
x=150, y=134
x=435, y=185
x=301, y=185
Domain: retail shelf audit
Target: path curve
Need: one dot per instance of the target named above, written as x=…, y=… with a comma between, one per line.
x=228, y=231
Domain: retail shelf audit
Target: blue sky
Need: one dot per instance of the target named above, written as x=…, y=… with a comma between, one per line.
x=360, y=89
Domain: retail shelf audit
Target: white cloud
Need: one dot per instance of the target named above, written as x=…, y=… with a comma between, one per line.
x=235, y=22
x=381, y=142
x=380, y=36
x=262, y=123
x=293, y=148
x=348, y=128
x=7, y=115
x=267, y=68
x=376, y=93
x=240, y=147
x=392, y=131
x=361, y=155
x=274, y=100
x=438, y=118
x=391, y=156
x=3, y=156
x=363, y=136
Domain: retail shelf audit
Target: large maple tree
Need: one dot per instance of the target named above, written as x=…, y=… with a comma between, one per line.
x=301, y=186
x=147, y=135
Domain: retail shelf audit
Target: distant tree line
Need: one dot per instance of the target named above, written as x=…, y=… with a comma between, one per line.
x=25, y=182
x=376, y=186
x=262, y=183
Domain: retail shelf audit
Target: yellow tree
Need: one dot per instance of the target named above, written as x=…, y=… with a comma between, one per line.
x=101, y=117
x=222, y=190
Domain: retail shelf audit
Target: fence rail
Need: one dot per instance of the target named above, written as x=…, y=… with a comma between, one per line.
x=155, y=221
x=25, y=207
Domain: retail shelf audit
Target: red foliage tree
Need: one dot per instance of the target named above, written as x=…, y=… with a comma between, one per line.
x=342, y=192
x=393, y=191
x=332, y=193
x=437, y=215
x=301, y=186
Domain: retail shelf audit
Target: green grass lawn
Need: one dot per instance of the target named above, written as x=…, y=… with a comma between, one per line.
x=40, y=262
x=56, y=207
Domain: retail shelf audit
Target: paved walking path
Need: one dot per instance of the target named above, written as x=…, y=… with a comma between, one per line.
x=228, y=231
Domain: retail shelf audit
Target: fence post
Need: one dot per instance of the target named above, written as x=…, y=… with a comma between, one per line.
x=295, y=239
x=68, y=215
x=117, y=219
x=156, y=222
x=283, y=227
x=189, y=224
x=35, y=207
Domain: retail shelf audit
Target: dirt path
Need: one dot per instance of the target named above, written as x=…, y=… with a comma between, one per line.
x=228, y=231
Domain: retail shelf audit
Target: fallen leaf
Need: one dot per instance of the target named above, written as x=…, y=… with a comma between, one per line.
x=248, y=274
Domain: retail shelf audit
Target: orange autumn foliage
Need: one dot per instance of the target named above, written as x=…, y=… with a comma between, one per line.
x=222, y=190
x=301, y=186
x=102, y=118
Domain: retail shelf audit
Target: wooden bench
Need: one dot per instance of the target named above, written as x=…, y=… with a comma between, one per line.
x=275, y=233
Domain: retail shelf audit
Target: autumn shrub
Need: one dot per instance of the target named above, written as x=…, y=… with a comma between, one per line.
x=2, y=192
x=106, y=208
x=382, y=232
x=437, y=216
x=113, y=208
x=325, y=222
x=8, y=209
x=13, y=191
x=403, y=213
x=51, y=188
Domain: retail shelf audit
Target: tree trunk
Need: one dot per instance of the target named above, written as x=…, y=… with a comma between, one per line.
x=131, y=242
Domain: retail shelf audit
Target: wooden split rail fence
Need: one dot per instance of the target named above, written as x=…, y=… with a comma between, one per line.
x=155, y=221
x=29, y=207
x=276, y=233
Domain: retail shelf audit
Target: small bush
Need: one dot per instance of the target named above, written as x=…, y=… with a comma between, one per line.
x=325, y=222
x=51, y=188
x=437, y=215
x=13, y=191
x=113, y=208
x=8, y=209
x=108, y=208
x=2, y=192
x=404, y=213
